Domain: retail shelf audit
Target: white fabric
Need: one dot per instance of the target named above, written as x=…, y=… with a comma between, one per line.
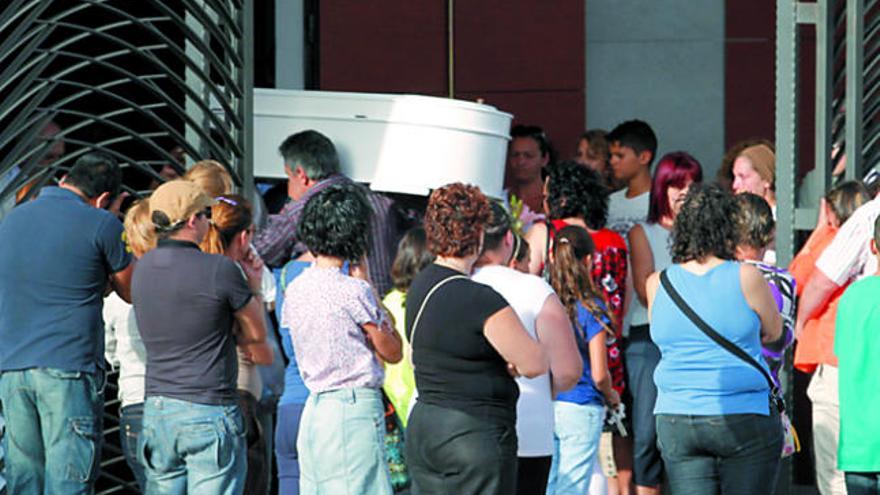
x=658, y=241
x=849, y=254
x=824, y=394
x=625, y=212
x=124, y=349
x=526, y=294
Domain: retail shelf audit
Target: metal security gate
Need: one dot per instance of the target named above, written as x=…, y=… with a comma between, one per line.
x=847, y=104
x=847, y=117
x=154, y=83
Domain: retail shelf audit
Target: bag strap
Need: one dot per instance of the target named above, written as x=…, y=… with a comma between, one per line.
x=412, y=334
x=715, y=336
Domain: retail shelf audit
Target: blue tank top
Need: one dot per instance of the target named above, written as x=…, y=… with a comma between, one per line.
x=696, y=376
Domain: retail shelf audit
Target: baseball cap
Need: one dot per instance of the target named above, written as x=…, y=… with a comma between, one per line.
x=174, y=201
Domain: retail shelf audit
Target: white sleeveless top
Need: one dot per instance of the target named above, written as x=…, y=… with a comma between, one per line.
x=659, y=242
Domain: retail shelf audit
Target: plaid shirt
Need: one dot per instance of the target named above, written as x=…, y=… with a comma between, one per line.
x=277, y=242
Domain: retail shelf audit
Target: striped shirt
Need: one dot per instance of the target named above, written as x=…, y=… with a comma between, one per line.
x=277, y=242
x=849, y=257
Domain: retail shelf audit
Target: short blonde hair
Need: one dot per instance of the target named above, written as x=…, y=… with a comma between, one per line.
x=140, y=233
x=211, y=176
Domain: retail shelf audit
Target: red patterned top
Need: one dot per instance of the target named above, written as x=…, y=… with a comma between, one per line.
x=609, y=275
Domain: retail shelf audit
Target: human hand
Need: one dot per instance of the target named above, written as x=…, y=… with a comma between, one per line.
x=360, y=270
x=116, y=206
x=252, y=265
x=512, y=371
x=613, y=399
x=824, y=219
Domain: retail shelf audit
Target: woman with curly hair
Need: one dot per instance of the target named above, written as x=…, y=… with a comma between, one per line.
x=716, y=427
x=467, y=344
x=340, y=337
x=649, y=252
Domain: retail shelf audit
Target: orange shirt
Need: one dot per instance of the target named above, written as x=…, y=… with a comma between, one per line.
x=816, y=343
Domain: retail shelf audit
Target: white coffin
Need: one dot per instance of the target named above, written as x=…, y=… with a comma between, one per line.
x=396, y=143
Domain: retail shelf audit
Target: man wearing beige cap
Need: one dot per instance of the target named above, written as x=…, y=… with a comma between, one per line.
x=186, y=304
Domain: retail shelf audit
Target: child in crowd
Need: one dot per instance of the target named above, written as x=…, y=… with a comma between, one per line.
x=339, y=334
x=633, y=147
x=580, y=412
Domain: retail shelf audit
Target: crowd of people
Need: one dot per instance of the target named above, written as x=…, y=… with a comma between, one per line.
x=615, y=324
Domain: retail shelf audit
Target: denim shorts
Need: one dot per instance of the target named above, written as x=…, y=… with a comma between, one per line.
x=341, y=443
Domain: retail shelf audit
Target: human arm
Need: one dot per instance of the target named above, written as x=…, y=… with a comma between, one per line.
x=651, y=284
x=537, y=239
x=506, y=334
x=251, y=336
x=121, y=281
x=641, y=261
x=553, y=329
x=814, y=297
x=599, y=369
x=385, y=340
x=382, y=335
x=760, y=299
x=274, y=242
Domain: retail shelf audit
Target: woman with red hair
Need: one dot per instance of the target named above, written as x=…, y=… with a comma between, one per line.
x=467, y=344
x=649, y=252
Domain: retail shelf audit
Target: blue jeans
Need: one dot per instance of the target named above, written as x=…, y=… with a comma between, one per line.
x=341, y=443
x=286, y=456
x=131, y=419
x=575, y=446
x=53, y=430
x=730, y=454
x=187, y=447
x=642, y=358
x=862, y=483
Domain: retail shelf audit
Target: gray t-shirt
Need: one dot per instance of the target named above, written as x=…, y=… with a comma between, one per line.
x=184, y=302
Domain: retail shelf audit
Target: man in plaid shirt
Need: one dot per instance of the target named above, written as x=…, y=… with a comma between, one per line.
x=312, y=165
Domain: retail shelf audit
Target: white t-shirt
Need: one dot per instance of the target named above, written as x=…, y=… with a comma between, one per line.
x=124, y=349
x=526, y=294
x=849, y=256
x=625, y=212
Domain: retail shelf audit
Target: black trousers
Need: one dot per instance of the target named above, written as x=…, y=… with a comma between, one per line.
x=532, y=474
x=451, y=452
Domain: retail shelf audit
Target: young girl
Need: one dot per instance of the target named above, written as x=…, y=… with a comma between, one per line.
x=580, y=412
x=339, y=334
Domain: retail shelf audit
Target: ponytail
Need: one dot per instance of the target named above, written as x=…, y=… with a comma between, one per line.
x=229, y=217
x=572, y=280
